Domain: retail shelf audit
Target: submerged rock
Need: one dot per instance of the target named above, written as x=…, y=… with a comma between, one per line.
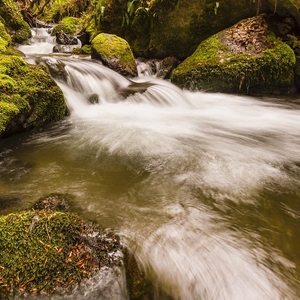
x=246, y=58
x=115, y=53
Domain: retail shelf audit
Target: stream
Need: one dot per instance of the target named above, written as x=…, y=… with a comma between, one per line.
x=203, y=188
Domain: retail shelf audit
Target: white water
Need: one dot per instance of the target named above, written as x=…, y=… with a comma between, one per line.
x=204, y=188
x=40, y=43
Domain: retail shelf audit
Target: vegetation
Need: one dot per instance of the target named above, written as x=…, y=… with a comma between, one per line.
x=29, y=96
x=45, y=250
x=68, y=25
x=106, y=47
x=216, y=66
x=13, y=21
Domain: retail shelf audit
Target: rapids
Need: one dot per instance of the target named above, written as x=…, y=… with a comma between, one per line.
x=203, y=188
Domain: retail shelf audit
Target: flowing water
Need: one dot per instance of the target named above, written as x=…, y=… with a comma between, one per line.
x=203, y=188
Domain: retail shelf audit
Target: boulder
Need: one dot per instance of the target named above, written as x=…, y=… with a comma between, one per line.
x=48, y=252
x=29, y=96
x=13, y=21
x=167, y=66
x=68, y=25
x=245, y=58
x=65, y=39
x=115, y=53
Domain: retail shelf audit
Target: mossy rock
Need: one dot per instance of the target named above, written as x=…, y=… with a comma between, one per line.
x=115, y=53
x=29, y=96
x=5, y=39
x=13, y=21
x=68, y=25
x=46, y=251
x=246, y=58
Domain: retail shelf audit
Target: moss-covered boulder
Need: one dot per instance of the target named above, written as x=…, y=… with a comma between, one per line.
x=246, y=58
x=115, y=53
x=11, y=17
x=29, y=96
x=68, y=25
x=47, y=252
x=5, y=39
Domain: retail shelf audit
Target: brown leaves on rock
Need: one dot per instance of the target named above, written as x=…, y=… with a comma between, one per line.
x=247, y=37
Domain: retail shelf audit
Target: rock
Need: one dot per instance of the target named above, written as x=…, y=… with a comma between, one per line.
x=11, y=17
x=46, y=252
x=245, y=58
x=65, y=39
x=56, y=67
x=68, y=25
x=93, y=98
x=30, y=97
x=135, y=87
x=167, y=66
x=84, y=38
x=115, y=53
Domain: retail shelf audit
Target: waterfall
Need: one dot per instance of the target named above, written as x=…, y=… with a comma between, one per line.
x=203, y=188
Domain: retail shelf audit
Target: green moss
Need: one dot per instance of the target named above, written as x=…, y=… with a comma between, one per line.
x=111, y=45
x=114, y=52
x=68, y=25
x=4, y=35
x=13, y=21
x=214, y=67
x=33, y=91
x=86, y=49
x=7, y=111
x=36, y=251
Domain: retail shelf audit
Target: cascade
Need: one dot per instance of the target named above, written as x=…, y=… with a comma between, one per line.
x=203, y=188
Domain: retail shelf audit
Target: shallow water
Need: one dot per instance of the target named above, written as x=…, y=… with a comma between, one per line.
x=203, y=188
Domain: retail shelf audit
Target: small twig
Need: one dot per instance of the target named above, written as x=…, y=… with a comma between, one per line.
x=48, y=231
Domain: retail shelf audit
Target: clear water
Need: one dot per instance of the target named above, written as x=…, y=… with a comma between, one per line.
x=203, y=188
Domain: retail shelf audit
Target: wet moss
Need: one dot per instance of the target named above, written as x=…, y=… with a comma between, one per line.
x=35, y=251
x=114, y=52
x=68, y=25
x=45, y=250
x=32, y=91
x=13, y=21
x=213, y=67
